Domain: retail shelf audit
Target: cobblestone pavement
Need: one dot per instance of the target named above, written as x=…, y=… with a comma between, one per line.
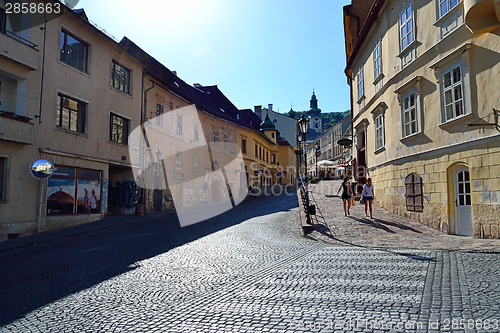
x=385, y=230
x=248, y=270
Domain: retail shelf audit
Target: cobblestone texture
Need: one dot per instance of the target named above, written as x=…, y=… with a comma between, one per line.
x=385, y=230
x=245, y=271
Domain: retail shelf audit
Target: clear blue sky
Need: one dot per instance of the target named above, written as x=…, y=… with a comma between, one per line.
x=257, y=51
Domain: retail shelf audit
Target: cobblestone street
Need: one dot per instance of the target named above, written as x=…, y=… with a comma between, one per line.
x=385, y=230
x=248, y=270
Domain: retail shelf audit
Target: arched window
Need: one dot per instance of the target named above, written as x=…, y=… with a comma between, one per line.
x=414, y=196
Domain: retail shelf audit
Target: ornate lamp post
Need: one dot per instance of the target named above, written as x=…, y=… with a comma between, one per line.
x=303, y=126
x=318, y=152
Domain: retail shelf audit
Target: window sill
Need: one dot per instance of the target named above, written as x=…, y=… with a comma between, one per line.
x=411, y=136
x=71, y=132
x=380, y=77
x=124, y=145
x=407, y=48
x=361, y=99
x=121, y=92
x=448, y=14
x=454, y=121
x=74, y=68
x=379, y=150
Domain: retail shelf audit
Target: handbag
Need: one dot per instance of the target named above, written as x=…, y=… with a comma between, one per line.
x=362, y=200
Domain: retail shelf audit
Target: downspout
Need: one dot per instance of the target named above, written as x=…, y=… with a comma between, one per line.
x=144, y=102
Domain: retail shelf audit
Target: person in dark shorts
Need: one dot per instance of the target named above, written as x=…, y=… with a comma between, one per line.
x=368, y=194
x=346, y=195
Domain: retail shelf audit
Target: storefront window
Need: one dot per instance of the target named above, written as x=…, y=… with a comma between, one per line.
x=74, y=191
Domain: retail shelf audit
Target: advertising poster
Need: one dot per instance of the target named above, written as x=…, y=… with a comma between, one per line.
x=60, y=196
x=88, y=196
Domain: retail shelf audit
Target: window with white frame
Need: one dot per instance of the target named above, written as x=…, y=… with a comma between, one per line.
x=379, y=131
x=409, y=114
x=452, y=92
x=196, y=132
x=178, y=161
x=406, y=22
x=179, y=124
x=377, y=60
x=360, y=82
x=159, y=112
x=446, y=5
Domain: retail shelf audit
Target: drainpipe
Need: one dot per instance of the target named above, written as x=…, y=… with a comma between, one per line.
x=144, y=114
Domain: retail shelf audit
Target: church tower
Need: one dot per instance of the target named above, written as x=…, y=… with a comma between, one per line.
x=315, y=122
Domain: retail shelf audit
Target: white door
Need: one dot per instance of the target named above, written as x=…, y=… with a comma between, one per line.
x=462, y=201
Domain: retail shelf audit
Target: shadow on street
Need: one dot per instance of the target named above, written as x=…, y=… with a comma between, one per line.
x=40, y=274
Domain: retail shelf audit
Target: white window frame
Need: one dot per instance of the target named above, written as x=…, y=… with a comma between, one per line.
x=179, y=124
x=405, y=110
x=360, y=84
x=449, y=6
x=410, y=27
x=377, y=60
x=379, y=131
x=453, y=88
x=457, y=58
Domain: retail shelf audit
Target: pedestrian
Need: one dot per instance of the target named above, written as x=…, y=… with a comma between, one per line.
x=346, y=195
x=368, y=194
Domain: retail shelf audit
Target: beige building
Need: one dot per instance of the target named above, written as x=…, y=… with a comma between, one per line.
x=424, y=78
x=69, y=94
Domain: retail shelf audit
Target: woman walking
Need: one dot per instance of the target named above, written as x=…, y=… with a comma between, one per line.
x=346, y=195
x=368, y=194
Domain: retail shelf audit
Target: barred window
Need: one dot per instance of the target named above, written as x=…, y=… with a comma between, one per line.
x=414, y=196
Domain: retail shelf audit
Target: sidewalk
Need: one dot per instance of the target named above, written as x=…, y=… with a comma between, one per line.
x=106, y=223
x=385, y=230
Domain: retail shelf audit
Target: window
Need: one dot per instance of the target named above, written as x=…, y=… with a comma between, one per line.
x=243, y=146
x=196, y=132
x=74, y=191
x=178, y=161
x=3, y=178
x=361, y=89
x=3, y=20
x=406, y=27
x=413, y=185
x=71, y=114
x=74, y=52
x=120, y=78
x=195, y=164
x=216, y=138
x=159, y=112
x=377, y=60
x=379, y=131
x=446, y=5
x=179, y=124
x=226, y=141
x=453, y=98
x=273, y=158
x=409, y=114
x=118, y=129
x=256, y=151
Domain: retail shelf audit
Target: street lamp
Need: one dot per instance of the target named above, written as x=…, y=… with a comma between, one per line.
x=303, y=126
x=317, y=156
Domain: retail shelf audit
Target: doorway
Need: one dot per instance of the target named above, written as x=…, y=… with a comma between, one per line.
x=462, y=201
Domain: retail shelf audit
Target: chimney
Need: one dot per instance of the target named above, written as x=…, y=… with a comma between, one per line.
x=258, y=110
x=270, y=107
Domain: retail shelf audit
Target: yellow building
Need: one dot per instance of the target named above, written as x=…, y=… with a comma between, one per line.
x=424, y=91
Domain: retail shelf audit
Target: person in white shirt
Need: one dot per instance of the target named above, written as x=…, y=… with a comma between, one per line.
x=368, y=194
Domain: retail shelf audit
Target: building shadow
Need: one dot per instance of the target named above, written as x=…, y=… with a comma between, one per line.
x=40, y=274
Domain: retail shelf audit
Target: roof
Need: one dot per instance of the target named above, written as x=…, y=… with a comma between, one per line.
x=370, y=19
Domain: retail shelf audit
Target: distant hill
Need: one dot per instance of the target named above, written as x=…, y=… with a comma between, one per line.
x=329, y=119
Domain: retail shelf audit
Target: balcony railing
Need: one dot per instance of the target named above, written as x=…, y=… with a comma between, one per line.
x=20, y=39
